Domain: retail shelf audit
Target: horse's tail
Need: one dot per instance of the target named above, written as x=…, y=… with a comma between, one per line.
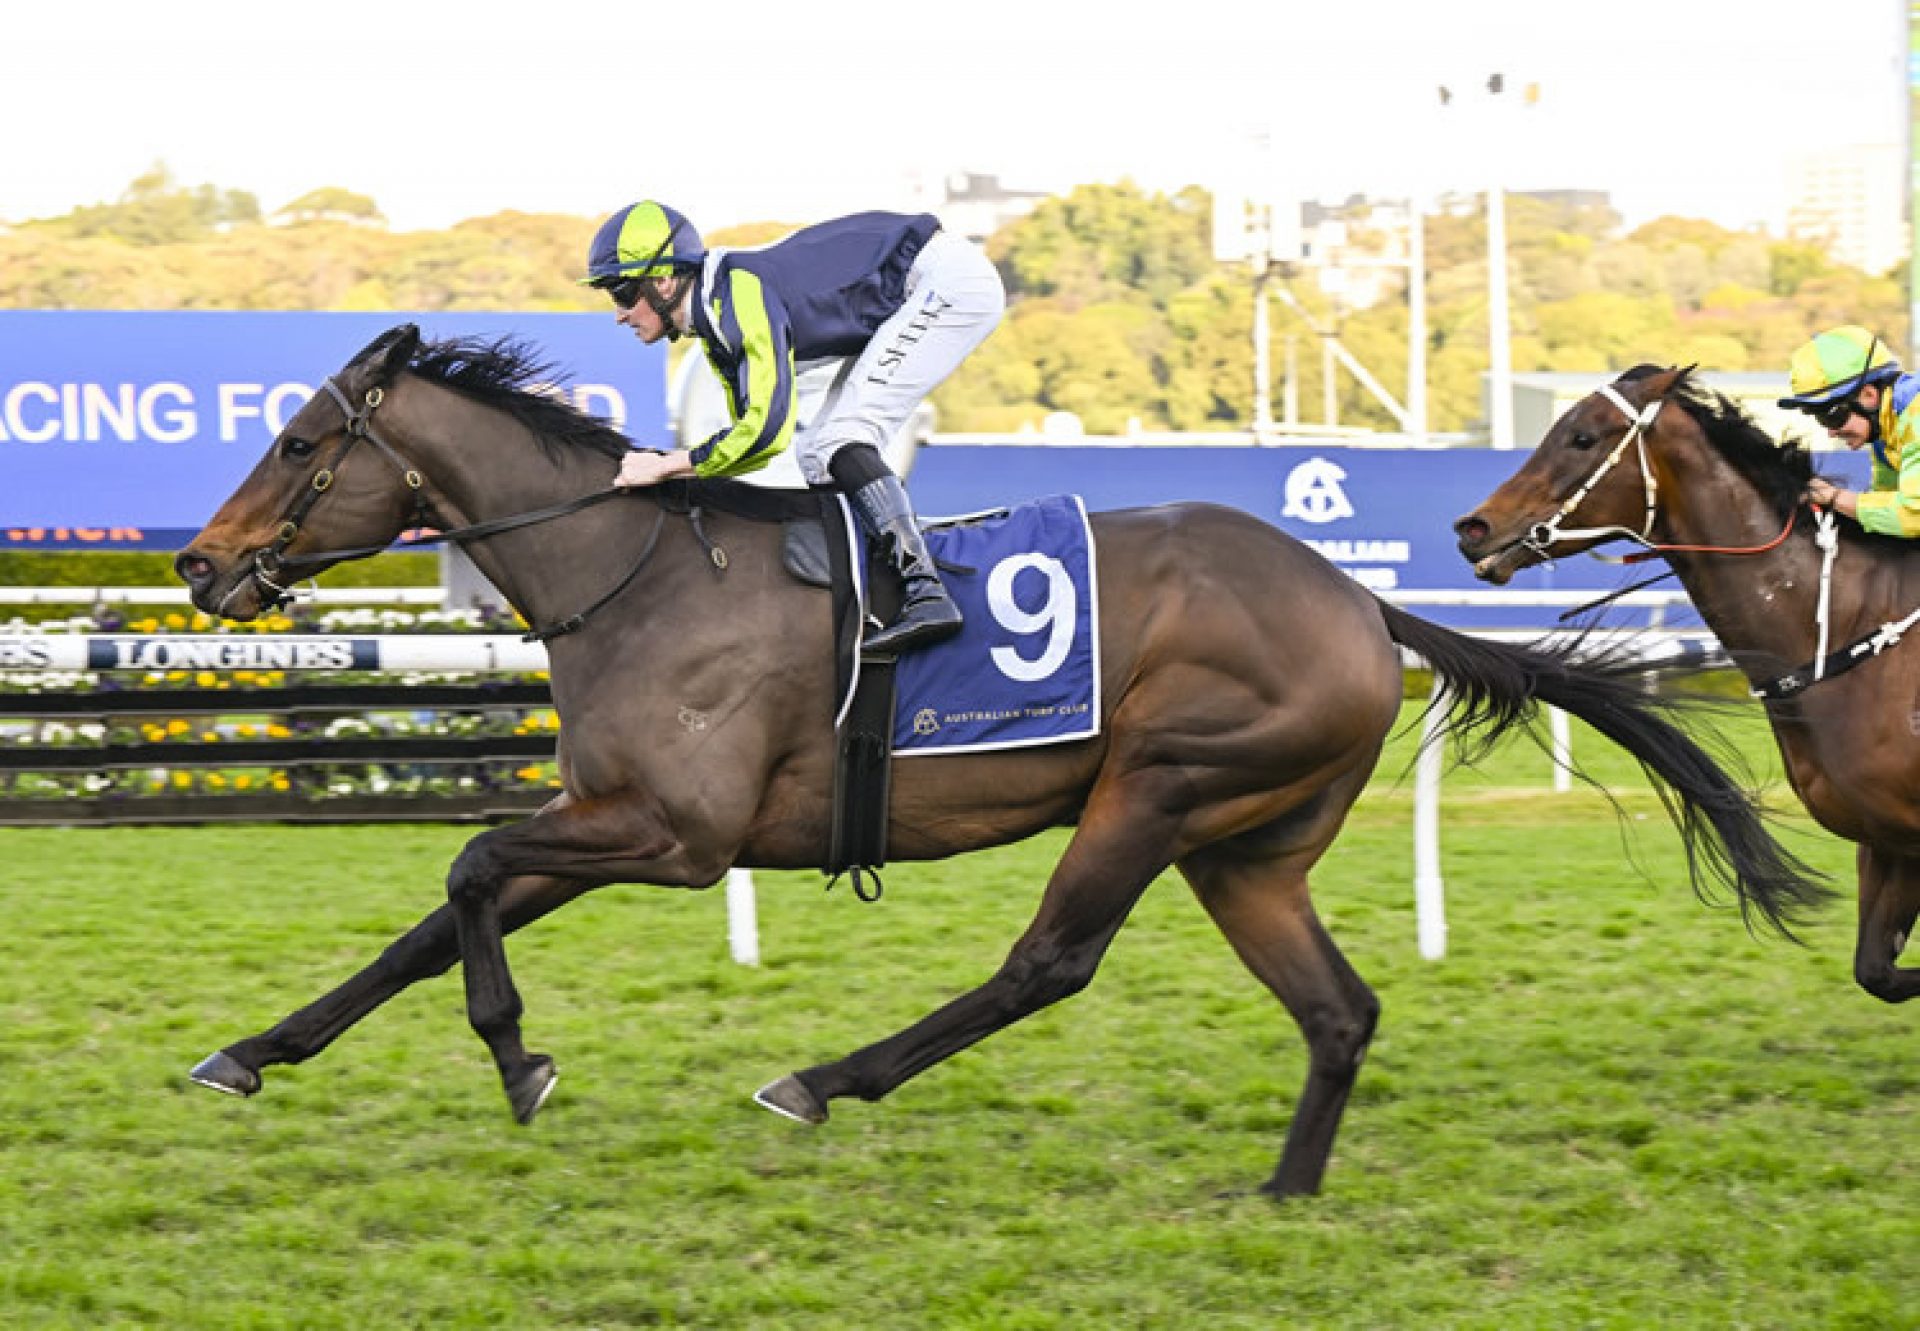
x=1494, y=687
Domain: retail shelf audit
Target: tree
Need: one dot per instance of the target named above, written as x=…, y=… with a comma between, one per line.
x=332, y=204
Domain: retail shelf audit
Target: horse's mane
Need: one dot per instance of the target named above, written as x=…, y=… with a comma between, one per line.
x=1777, y=469
x=510, y=375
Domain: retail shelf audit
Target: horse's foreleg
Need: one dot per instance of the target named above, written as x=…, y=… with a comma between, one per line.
x=621, y=839
x=1262, y=907
x=1121, y=845
x=1889, y=902
x=425, y=950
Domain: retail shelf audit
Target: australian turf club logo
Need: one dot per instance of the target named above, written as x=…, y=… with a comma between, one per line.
x=1314, y=493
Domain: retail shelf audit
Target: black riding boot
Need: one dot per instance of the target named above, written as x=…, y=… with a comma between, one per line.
x=927, y=613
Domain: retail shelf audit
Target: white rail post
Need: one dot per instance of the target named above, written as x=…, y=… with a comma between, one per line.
x=743, y=925
x=1561, y=732
x=1429, y=895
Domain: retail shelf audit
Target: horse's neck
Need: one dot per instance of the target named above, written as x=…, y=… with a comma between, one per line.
x=1764, y=602
x=484, y=467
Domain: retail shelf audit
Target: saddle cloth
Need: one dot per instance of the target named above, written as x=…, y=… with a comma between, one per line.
x=1025, y=668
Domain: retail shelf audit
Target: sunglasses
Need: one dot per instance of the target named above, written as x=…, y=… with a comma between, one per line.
x=625, y=291
x=1833, y=415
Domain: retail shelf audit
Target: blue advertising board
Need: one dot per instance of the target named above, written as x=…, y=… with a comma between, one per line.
x=1385, y=516
x=126, y=430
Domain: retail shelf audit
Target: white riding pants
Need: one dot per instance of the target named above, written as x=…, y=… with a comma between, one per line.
x=954, y=298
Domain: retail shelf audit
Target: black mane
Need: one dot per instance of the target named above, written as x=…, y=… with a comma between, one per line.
x=1779, y=471
x=509, y=374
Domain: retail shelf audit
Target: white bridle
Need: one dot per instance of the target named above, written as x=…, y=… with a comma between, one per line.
x=1544, y=534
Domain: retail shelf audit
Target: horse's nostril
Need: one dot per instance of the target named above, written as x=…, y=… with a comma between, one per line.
x=193, y=569
x=1470, y=529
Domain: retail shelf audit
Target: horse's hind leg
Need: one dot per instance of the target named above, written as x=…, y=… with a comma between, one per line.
x=1889, y=902
x=1260, y=903
x=427, y=949
x=1120, y=847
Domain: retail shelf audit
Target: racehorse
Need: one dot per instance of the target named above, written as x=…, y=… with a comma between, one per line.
x=1657, y=459
x=697, y=729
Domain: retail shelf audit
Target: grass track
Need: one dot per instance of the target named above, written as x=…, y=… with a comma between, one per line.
x=1607, y=1107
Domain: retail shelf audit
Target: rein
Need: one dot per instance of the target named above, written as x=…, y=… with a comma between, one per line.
x=273, y=561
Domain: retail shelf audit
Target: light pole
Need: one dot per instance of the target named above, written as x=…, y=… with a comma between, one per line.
x=1499, y=330
x=1499, y=327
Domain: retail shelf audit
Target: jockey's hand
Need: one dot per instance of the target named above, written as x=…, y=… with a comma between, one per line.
x=644, y=467
x=1828, y=495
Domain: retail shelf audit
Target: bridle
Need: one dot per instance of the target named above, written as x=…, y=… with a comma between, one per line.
x=1543, y=535
x=272, y=561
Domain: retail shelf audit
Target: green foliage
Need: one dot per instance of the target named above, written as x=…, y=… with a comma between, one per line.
x=332, y=202
x=1118, y=312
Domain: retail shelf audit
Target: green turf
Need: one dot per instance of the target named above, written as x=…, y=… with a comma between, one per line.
x=1608, y=1106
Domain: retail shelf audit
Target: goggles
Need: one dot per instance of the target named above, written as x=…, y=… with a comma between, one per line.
x=625, y=291
x=1833, y=415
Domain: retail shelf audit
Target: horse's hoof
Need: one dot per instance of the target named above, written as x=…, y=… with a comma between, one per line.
x=789, y=1099
x=531, y=1088
x=228, y=1075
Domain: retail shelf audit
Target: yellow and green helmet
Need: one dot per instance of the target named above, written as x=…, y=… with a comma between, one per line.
x=642, y=238
x=1836, y=364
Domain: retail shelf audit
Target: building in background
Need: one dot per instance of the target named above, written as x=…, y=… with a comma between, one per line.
x=975, y=205
x=1851, y=202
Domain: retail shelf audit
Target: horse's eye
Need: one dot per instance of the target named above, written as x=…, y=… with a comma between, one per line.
x=296, y=447
x=1582, y=440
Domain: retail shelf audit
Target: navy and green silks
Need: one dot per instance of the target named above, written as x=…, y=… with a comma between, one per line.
x=818, y=294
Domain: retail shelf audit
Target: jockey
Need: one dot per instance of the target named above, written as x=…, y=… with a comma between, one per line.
x=899, y=301
x=1849, y=382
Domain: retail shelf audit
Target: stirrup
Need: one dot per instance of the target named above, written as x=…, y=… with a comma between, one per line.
x=906, y=634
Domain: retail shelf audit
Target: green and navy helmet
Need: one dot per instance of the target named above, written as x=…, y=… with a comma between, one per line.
x=1836, y=365
x=641, y=238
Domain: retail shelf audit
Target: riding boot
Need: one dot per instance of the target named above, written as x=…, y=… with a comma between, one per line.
x=927, y=613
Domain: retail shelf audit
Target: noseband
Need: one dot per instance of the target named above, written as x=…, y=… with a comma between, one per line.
x=271, y=560
x=1542, y=535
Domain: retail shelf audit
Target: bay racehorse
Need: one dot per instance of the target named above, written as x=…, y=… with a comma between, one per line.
x=1247, y=689
x=1660, y=460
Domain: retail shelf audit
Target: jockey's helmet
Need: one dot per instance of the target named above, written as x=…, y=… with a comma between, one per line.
x=642, y=238
x=1836, y=364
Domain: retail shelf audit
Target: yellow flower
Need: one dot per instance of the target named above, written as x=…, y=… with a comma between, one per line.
x=243, y=782
x=174, y=621
x=277, y=731
x=215, y=780
x=182, y=780
x=528, y=774
x=177, y=727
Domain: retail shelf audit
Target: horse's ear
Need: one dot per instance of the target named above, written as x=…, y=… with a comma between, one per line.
x=1669, y=379
x=387, y=354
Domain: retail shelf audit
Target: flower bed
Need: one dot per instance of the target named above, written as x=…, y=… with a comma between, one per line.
x=128, y=752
